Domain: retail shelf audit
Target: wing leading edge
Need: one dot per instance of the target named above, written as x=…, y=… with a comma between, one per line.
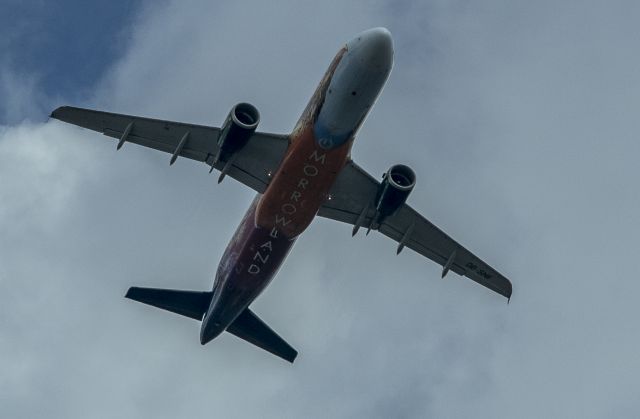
x=252, y=165
x=356, y=190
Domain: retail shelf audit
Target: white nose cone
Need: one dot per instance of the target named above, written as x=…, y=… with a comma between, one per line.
x=373, y=47
x=355, y=85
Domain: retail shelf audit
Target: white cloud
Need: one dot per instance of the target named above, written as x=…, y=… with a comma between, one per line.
x=40, y=166
x=19, y=93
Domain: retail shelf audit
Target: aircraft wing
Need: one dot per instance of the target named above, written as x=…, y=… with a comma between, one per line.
x=252, y=165
x=355, y=189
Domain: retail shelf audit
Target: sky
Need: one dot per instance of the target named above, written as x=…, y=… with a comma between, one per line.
x=519, y=118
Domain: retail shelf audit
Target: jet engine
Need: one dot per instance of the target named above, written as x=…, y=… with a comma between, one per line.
x=394, y=190
x=240, y=124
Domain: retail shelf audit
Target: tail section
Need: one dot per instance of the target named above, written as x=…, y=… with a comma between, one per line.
x=249, y=327
x=186, y=303
x=194, y=304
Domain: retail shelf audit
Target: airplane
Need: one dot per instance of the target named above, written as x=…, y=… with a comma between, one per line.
x=297, y=176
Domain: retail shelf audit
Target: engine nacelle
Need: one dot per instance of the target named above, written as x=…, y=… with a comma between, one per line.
x=394, y=190
x=240, y=124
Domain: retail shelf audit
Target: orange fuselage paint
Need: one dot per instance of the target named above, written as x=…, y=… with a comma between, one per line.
x=301, y=184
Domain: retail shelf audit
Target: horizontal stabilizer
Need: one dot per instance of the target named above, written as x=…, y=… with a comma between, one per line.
x=249, y=327
x=187, y=303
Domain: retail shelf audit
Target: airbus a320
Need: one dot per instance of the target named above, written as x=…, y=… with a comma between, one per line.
x=297, y=176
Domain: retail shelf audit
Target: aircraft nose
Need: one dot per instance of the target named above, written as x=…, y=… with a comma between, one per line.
x=375, y=46
x=380, y=39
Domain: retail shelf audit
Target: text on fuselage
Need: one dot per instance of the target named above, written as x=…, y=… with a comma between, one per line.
x=309, y=171
x=262, y=254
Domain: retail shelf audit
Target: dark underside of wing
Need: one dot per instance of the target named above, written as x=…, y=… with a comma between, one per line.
x=251, y=165
x=356, y=190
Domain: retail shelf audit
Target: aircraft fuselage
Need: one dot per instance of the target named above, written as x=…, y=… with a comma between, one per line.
x=320, y=146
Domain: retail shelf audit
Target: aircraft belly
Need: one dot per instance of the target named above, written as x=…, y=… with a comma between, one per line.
x=301, y=184
x=249, y=263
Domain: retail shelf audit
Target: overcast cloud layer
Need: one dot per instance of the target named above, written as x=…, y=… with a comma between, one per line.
x=520, y=120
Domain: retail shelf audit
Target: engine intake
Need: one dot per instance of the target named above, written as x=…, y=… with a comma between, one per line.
x=240, y=124
x=394, y=190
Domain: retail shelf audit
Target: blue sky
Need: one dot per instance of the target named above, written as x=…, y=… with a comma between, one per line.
x=519, y=118
x=62, y=47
